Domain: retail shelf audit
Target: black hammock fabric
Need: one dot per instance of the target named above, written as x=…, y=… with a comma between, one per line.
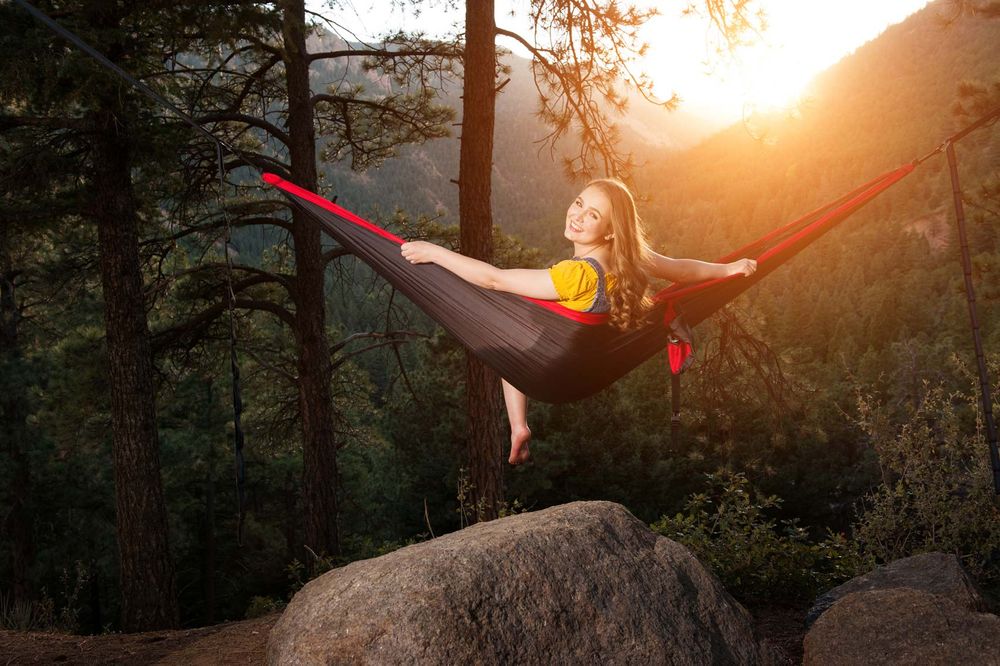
x=550, y=352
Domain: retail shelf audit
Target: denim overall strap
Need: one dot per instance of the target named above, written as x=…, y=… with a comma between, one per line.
x=601, y=303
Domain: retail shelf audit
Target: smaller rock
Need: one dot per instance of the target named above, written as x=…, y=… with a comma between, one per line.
x=902, y=626
x=936, y=573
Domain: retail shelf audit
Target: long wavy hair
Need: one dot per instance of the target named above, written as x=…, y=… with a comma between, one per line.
x=629, y=256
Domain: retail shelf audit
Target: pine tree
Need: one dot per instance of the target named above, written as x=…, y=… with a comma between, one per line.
x=100, y=149
x=261, y=84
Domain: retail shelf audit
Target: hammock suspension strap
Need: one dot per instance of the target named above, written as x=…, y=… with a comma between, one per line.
x=970, y=297
x=675, y=411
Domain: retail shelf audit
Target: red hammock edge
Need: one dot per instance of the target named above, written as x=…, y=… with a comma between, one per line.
x=669, y=294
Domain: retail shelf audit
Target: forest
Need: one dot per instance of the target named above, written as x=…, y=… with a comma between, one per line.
x=205, y=402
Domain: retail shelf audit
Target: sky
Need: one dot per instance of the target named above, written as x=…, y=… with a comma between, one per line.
x=803, y=38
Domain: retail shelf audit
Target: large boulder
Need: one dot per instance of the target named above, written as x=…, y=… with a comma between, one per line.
x=582, y=583
x=901, y=626
x=936, y=573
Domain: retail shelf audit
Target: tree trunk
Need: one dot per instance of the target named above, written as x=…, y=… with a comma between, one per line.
x=483, y=394
x=148, y=590
x=14, y=407
x=319, y=449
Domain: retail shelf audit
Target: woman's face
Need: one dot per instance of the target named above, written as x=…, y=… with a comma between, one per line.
x=588, y=219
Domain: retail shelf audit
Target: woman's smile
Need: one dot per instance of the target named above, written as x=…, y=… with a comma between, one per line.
x=588, y=218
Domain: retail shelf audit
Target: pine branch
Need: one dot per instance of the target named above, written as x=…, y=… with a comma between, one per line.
x=58, y=123
x=252, y=121
x=390, y=338
x=444, y=51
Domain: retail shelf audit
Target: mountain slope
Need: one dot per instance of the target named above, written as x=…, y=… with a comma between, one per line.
x=876, y=281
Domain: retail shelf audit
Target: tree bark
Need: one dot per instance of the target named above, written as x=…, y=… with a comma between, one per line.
x=319, y=447
x=148, y=589
x=18, y=526
x=483, y=394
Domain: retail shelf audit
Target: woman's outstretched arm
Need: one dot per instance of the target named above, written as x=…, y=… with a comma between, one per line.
x=521, y=281
x=692, y=270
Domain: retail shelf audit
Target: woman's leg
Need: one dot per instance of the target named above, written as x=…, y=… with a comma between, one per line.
x=517, y=414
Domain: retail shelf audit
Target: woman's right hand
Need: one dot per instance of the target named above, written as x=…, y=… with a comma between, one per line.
x=420, y=252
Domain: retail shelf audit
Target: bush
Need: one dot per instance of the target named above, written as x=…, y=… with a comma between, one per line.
x=936, y=492
x=25, y=615
x=755, y=557
x=261, y=606
x=44, y=614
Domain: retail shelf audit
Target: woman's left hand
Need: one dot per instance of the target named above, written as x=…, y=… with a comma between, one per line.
x=744, y=267
x=420, y=252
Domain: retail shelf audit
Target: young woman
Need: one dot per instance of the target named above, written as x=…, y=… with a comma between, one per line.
x=608, y=273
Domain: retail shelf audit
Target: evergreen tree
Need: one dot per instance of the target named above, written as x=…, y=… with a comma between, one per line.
x=262, y=85
x=15, y=381
x=100, y=150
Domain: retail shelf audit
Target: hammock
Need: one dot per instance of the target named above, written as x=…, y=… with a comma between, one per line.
x=550, y=352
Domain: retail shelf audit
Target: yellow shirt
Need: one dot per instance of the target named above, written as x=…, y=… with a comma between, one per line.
x=576, y=281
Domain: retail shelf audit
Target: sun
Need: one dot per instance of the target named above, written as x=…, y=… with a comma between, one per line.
x=763, y=76
x=771, y=71
x=769, y=78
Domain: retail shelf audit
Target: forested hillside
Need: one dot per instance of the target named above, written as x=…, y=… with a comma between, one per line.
x=877, y=305
x=891, y=274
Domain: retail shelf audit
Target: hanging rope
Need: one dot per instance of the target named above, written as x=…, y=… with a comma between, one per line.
x=234, y=368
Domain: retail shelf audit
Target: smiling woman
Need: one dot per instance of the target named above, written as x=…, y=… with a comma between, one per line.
x=607, y=274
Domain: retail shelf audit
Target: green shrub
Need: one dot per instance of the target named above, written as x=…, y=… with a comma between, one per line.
x=936, y=492
x=756, y=557
x=261, y=606
x=44, y=614
x=26, y=615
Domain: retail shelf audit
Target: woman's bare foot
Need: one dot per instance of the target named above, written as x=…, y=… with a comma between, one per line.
x=519, y=439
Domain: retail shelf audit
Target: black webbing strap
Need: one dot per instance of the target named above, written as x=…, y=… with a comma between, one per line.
x=675, y=411
x=234, y=369
x=970, y=296
x=991, y=117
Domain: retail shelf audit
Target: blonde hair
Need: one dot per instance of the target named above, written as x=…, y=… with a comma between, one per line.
x=629, y=256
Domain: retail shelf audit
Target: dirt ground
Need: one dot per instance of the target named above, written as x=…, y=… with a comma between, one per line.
x=245, y=643
x=783, y=628
x=229, y=643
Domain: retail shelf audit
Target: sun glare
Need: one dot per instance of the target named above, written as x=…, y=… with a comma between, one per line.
x=802, y=39
x=774, y=70
x=767, y=78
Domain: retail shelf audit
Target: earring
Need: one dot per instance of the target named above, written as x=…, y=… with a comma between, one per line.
x=609, y=237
